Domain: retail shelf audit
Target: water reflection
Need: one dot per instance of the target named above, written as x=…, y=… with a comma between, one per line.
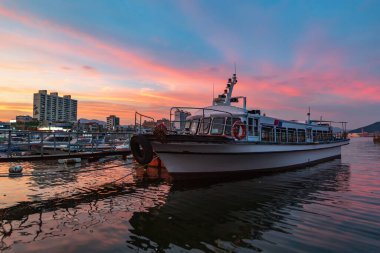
x=58, y=217
x=233, y=215
x=142, y=214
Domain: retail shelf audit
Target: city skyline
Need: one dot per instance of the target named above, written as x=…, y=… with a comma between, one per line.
x=149, y=56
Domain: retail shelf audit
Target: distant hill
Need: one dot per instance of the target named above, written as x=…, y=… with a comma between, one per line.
x=82, y=120
x=375, y=127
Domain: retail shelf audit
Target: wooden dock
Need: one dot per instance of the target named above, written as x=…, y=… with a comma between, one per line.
x=83, y=155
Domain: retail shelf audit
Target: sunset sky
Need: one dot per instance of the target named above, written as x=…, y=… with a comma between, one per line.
x=116, y=57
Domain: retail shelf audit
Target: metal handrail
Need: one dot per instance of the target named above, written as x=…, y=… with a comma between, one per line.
x=141, y=117
x=35, y=141
x=193, y=108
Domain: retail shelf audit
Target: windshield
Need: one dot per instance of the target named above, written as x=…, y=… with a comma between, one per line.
x=204, y=126
x=217, y=126
x=194, y=126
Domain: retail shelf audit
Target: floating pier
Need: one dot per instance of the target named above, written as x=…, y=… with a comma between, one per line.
x=39, y=145
x=94, y=155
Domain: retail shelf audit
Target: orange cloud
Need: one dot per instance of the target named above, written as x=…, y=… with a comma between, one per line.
x=312, y=78
x=10, y=110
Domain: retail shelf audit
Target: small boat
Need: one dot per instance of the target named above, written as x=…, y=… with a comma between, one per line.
x=17, y=143
x=87, y=143
x=78, y=144
x=54, y=141
x=228, y=139
x=123, y=146
x=376, y=138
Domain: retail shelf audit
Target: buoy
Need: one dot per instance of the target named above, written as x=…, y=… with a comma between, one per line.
x=15, y=169
x=69, y=161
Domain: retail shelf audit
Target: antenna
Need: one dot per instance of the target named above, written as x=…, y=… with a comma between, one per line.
x=213, y=88
x=235, y=67
x=308, y=116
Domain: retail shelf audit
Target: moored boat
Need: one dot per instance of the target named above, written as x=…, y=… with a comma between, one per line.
x=223, y=138
x=54, y=141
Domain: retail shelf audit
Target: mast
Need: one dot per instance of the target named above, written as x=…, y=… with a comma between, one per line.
x=230, y=87
x=225, y=98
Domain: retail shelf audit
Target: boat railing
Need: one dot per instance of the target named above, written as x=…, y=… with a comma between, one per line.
x=139, y=124
x=204, y=126
x=36, y=143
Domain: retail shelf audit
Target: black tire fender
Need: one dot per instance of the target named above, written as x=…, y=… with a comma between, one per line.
x=141, y=149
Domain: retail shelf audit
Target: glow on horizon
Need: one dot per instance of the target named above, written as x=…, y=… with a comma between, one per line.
x=139, y=58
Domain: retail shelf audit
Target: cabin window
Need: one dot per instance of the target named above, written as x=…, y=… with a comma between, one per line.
x=250, y=126
x=308, y=133
x=301, y=135
x=280, y=134
x=325, y=136
x=292, y=136
x=283, y=135
x=329, y=136
x=217, y=126
x=319, y=135
x=314, y=135
x=267, y=133
x=227, y=130
x=194, y=126
x=204, y=126
x=256, y=127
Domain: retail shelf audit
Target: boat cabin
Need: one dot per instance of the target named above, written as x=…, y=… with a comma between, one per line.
x=257, y=128
x=223, y=119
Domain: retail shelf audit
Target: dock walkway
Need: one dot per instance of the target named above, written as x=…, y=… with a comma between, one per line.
x=84, y=155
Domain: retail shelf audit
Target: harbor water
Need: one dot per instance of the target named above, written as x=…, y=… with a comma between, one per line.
x=112, y=207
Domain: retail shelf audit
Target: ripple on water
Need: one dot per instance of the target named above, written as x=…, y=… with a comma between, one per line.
x=330, y=207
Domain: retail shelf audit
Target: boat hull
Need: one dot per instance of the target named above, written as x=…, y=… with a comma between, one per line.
x=188, y=158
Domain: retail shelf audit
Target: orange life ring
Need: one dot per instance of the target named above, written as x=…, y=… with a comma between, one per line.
x=236, y=130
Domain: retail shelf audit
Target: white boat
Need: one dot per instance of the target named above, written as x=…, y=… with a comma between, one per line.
x=54, y=141
x=123, y=146
x=227, y=139
x=88, y=143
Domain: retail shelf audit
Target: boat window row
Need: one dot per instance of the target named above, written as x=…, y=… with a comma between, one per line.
x=293, y=135
x=212, y=126
x=268, y=133
x=322, y=136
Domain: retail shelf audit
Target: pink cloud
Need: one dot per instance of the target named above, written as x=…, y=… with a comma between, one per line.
x=100, y=50
x=317, y=74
